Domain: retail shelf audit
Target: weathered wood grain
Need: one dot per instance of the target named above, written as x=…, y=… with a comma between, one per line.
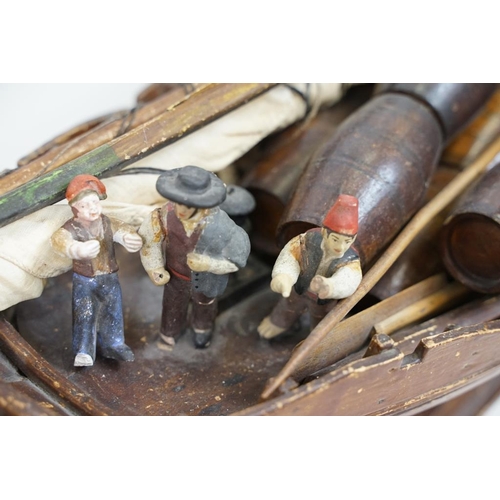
x=15, y=402
x=88, y=136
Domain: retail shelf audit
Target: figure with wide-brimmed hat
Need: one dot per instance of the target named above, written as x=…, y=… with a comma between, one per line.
x=315, y=269
x=191, y=246
x=88, y=238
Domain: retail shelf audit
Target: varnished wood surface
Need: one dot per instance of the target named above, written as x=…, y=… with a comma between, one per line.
x=20, y=397
x=421, y=259
x=32, y=363
x=457, y=186
x=351, y=334
x=384, y=154
x=394, y=383
x=454, y=104
x=476, y=136
x=473, y=402
x=470, y=237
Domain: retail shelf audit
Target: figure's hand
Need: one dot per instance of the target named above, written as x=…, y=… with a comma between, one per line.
x=83, y=250
x=198, y=262
x=159, y=276
x=132, y=242
x=282, y=283
x=319, y=285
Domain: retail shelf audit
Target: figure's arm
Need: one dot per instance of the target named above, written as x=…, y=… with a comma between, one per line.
x=64, y=244
x=286, y=269
x=228, y=259
x=125, y=235
x=151, y=251
x=341, y=284
x=204, y=263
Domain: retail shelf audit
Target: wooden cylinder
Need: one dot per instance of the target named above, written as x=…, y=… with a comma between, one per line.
x=384, y=154
x=476, y=137
x=421, y=259
x=470, y=237
x=282, y=159
x=454, y=104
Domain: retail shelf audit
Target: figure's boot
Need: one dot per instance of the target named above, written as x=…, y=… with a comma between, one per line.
x=82, y=359
x=202, y=338
x=267, y=329
x=120, y=352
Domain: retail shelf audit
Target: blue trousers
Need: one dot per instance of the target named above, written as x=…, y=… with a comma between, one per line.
x=97, y=313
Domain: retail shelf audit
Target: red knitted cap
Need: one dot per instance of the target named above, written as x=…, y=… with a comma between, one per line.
x=343, y=216
x=85, y=182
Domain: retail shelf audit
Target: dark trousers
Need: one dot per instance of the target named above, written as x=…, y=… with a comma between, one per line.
x=177, y=295
x=97, y=313
x=288, y=310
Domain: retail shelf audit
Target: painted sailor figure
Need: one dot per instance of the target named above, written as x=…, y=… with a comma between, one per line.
x=88, y=238
x=190, y=247
x=316, y=268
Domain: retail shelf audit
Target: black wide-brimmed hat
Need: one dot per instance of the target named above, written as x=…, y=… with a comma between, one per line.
x=239, y=201
x=192, y=186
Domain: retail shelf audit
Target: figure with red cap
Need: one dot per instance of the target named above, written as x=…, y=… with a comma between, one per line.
x=88, y=239
x=315, y=269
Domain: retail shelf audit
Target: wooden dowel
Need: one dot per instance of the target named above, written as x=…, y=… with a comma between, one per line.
x=435, y=303
x=416, y=224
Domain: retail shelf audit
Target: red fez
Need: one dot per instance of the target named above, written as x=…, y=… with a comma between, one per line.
x=343, y=216
x=85, y=182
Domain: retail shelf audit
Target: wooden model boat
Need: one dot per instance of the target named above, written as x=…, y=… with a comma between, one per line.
x=429, y=348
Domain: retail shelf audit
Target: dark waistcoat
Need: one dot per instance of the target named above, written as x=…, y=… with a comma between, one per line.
x=105, y=262
x=310, y=259
x=178, y=244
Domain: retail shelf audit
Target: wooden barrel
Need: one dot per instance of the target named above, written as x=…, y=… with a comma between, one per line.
x=470, y=237
x=282, y=159
x=454, y=104
x=384, y=154
x=421, y=259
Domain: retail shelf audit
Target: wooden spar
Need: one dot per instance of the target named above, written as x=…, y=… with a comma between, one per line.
x=201, y=108
x=77, y=131
x=423, y=308
x=88, y=136
x=416, y=224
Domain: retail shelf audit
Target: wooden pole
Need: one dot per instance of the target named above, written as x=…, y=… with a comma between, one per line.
x=203, y=107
